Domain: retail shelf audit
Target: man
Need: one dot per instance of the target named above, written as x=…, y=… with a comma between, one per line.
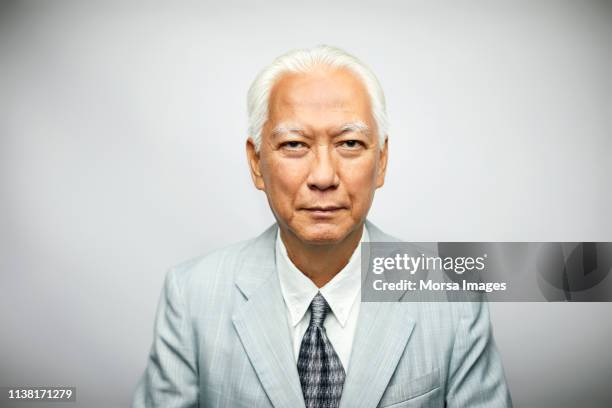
x=277, y=321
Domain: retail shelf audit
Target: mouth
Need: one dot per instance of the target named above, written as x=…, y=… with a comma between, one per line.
x=326, y=208
x=324, y=211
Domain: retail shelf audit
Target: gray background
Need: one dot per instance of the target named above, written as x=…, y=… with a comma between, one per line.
x=122, y=133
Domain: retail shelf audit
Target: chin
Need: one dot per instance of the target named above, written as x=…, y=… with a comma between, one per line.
x=323, y=233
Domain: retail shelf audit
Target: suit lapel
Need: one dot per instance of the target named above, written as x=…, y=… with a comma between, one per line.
x=261, y=324
x=383, y=330
x=381, y=336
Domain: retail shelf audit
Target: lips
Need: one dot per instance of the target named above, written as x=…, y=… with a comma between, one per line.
x=324, y=212
x=329, y=208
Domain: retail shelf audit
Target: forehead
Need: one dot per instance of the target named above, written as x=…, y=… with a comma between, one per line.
x=325, y=94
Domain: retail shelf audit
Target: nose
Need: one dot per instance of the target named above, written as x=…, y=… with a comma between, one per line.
x=323, y=173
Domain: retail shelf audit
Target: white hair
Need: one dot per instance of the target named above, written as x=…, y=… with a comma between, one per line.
x=303, y=61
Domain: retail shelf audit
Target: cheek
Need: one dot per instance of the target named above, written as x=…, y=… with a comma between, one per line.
x=284, y=177
x=360, y=178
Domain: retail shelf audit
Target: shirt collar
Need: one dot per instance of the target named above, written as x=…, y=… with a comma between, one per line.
x=298, y=290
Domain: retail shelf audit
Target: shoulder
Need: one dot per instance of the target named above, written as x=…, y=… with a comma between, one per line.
x=217, y=269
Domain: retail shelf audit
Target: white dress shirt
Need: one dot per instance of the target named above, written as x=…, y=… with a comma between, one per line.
x=342, y=294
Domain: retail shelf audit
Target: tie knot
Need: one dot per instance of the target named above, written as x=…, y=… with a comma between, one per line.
x=318, y=310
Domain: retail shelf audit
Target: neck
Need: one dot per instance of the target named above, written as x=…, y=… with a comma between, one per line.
x=321, y=262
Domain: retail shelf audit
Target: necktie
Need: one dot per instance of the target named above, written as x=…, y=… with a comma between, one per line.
x=320, y=369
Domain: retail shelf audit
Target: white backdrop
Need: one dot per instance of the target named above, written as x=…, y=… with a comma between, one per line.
x=122, y=131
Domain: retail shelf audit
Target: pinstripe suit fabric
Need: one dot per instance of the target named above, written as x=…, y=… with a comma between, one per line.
x=221, y=339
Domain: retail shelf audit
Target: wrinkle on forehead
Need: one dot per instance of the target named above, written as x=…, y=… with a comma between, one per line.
x=327, y=98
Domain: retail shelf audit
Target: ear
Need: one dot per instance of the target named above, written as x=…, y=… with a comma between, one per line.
x=382, y=164
x=254, y=164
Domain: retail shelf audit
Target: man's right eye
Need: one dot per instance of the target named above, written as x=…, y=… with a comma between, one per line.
x=293, y=145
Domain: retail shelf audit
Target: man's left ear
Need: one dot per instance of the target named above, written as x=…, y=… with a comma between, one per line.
x=382, y=164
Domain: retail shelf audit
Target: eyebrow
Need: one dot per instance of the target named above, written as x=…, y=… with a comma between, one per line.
x=354, y=127
x=286, y=128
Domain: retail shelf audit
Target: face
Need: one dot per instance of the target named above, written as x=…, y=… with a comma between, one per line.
x=320, y=161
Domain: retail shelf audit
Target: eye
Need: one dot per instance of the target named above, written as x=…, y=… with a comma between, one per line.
x=352, y=144
x=293, y=145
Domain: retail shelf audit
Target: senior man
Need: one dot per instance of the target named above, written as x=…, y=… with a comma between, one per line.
x=277, y=321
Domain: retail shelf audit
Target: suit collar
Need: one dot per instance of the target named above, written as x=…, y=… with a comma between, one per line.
x=298, y=290
x=258, y=257
x=257, y=262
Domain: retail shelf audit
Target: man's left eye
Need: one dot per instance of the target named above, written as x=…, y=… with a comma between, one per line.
x=351, y=144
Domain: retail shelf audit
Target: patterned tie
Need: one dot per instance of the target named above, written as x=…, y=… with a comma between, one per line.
x=320, y=369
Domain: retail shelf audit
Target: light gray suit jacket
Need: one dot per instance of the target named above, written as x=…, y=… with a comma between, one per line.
x=222, y=340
